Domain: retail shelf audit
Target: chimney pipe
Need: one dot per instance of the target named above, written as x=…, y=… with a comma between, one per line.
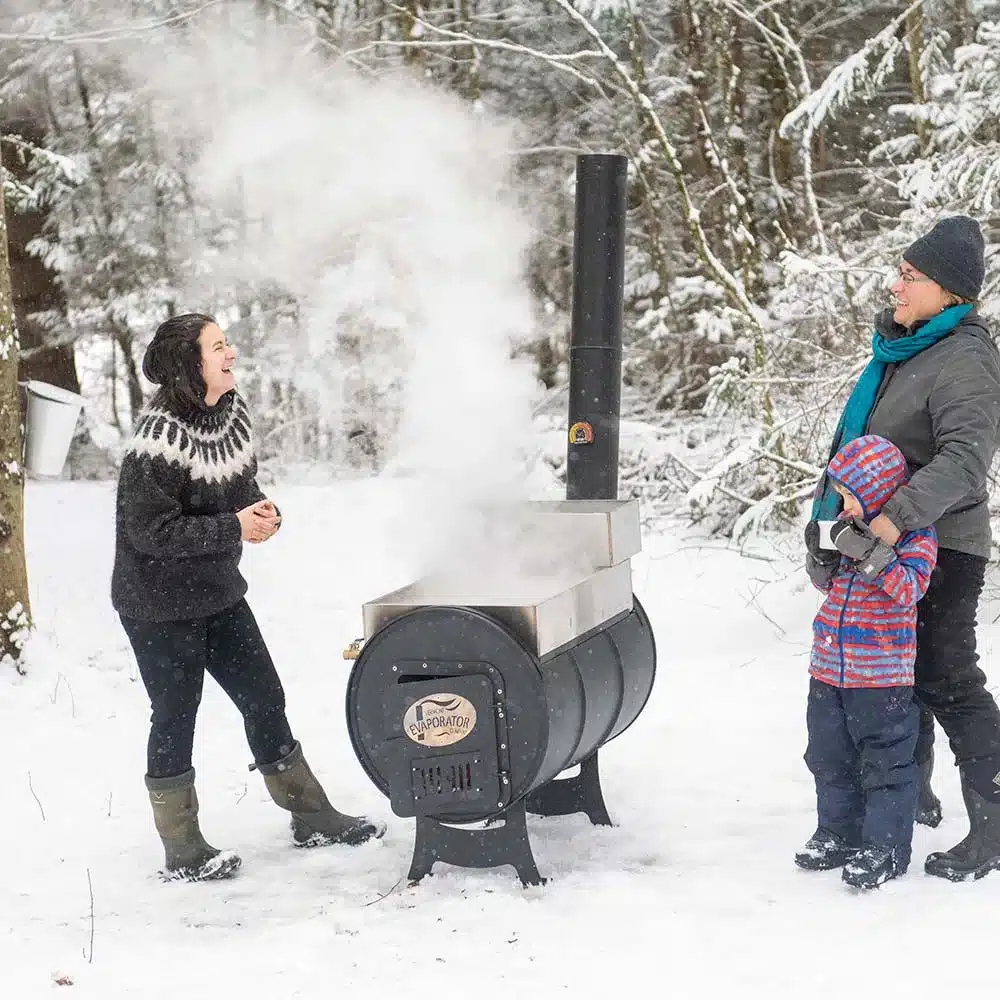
x=595, y=353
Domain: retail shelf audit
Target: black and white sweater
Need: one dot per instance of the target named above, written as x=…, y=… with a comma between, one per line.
x=177, y=537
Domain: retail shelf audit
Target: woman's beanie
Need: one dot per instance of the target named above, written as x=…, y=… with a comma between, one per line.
x=952, y=254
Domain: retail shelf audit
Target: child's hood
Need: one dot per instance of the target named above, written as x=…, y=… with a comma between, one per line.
x=872, y=468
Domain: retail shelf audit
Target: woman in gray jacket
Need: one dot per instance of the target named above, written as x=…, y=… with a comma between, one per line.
x=933, y=389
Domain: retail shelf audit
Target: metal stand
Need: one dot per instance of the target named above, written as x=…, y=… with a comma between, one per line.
x=581, y=793
x=499, y=845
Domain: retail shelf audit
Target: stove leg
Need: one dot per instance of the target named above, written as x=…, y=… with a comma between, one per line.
x=581, y=793
x=505, y=844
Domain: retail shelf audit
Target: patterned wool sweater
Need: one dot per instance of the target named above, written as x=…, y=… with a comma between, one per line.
x=177, y=537
x=865, y=634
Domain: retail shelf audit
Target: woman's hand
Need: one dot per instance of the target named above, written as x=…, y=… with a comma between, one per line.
x=271, y=510
x=883, y=528
x=258, y=522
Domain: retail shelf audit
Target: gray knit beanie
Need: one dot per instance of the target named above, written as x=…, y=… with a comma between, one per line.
x=952, y=254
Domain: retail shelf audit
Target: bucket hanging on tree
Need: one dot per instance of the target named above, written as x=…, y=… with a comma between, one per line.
x=51, y=421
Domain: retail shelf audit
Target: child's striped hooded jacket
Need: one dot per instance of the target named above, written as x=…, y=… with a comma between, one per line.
x=865, y=634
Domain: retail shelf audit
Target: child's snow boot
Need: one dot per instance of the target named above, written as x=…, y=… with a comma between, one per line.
x=315, y=822
x=824, y=850
x=929, y=805
x=979, y=853
x=871, y=867
x=175, y=813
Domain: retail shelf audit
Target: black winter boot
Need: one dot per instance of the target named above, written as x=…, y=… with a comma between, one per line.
x=979, y=853
x=929, y=805
x=871, y=867
x=315, y=822
x=824, y=850
x=175, y=813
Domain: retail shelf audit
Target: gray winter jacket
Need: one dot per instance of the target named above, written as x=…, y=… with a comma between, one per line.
x=942, y=410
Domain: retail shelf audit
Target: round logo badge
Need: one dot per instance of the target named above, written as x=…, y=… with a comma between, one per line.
x=439, y=720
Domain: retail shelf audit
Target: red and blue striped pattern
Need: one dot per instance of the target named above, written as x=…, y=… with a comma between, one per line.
x=872, y=468
x=865, y=634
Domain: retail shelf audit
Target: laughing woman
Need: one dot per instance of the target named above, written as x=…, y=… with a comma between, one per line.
x=187, y=500
x=933, y=389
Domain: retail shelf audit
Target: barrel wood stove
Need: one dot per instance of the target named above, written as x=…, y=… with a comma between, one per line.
x=467, y=701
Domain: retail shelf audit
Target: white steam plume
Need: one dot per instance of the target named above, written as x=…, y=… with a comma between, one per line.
x=385, y=204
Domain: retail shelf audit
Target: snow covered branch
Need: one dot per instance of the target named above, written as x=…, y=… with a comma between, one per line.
x=109, y=34
x=852, y=75
x=648, y=112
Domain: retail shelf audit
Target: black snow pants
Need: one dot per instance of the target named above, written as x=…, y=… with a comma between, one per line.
x=948, y=680
x=173, y=658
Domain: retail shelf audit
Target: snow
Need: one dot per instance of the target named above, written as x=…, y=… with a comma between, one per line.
x=693, y=892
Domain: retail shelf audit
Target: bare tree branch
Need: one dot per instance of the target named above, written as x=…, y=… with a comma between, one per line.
x=105, y=35
x=692, y=216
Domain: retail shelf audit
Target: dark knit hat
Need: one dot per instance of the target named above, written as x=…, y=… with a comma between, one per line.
x=952, y=254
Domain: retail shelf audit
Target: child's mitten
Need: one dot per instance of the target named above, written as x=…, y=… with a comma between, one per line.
x=821, y=564
x=855, y=539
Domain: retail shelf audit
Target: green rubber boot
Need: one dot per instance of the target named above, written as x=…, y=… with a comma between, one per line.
x=315, y=822
x=175, y=813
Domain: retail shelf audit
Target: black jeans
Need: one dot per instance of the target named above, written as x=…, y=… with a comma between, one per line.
x=173, y=658
x=948, y=679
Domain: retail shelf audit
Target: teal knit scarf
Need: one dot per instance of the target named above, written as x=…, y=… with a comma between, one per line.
x=826, y=502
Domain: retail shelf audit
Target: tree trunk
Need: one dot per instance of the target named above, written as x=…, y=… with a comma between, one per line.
x=962, y=23
x=776, y=84
x=409, y=14
x=119, y=329
x=915, y=44
x=644, y=192
x=465, y=76
x=746, y=234
x=35, y=287
x=692, y=50
x=15, y=607
x=125, y=341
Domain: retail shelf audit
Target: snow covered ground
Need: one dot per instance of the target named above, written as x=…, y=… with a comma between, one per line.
x=693, y=893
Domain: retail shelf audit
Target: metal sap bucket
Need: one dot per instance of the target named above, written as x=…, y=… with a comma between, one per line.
x=51, y=421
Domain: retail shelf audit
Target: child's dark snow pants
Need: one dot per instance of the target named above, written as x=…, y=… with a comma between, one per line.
x=862, y=753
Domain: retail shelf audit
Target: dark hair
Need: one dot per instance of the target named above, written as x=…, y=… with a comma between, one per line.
x=173, y=362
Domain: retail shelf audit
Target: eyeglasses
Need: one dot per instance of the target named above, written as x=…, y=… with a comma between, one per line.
x=908, y=278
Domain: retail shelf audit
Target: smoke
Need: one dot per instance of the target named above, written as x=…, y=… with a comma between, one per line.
x=386, y=207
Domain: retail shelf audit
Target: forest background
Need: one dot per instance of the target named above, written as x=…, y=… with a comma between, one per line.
x=326, y=176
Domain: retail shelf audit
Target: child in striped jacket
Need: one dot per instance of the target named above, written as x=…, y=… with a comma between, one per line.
x=862, y=716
